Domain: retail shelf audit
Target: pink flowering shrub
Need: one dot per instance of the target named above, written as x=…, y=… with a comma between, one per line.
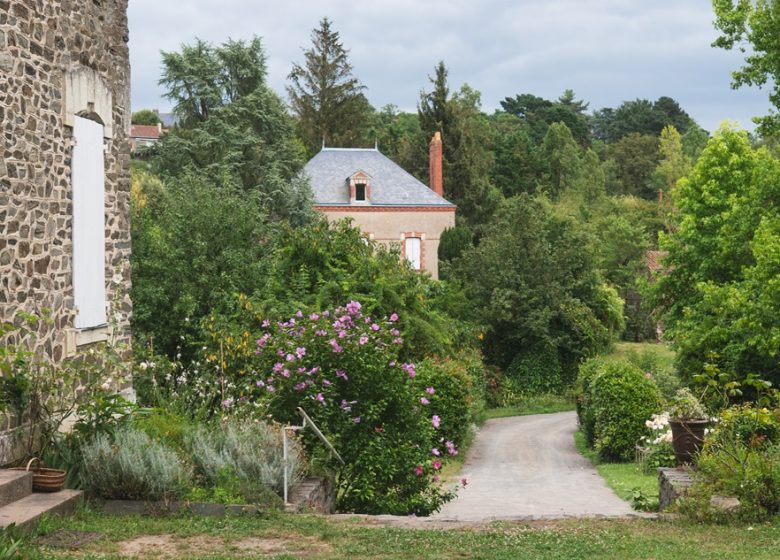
x=457, y=394
x=344, y=369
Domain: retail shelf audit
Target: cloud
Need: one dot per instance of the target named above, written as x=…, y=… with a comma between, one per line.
x=606, y=50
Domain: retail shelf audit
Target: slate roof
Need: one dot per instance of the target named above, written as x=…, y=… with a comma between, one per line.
x=391, y=185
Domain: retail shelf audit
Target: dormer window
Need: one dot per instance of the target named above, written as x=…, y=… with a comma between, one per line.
x=360, y=192
x=359, y=188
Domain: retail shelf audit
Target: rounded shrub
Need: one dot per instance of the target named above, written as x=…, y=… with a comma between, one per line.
x=536, y=371
x=587, y=372
x=621, y=399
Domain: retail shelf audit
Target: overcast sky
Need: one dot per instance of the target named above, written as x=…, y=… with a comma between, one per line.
x=607, y=51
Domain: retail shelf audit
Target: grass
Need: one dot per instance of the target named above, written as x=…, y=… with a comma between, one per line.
x=533, y=404
x=286, y=536
x=622, y=478
x=662, y=351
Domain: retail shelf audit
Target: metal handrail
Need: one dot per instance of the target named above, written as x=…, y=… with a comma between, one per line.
x=317, y=432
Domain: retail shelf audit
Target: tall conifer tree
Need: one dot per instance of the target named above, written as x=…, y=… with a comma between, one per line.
x=326, y=98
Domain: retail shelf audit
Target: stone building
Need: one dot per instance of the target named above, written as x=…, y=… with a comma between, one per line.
x=388, y=204
x=64, y=170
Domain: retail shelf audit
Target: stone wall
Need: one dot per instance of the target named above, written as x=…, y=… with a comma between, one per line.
x=44, y=44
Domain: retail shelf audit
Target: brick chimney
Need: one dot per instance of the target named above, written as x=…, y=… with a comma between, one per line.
x=434, y=165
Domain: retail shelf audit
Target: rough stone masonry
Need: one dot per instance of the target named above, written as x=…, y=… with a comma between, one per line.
x=47, y=47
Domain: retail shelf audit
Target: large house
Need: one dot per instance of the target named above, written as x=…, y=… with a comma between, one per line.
x=388, y=204
x=64, y=173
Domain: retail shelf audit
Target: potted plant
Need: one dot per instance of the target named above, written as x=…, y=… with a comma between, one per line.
x=689, y=421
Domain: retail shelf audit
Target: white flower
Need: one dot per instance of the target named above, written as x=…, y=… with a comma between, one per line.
x=106, y=386
x=143, y=365
x=117, y=278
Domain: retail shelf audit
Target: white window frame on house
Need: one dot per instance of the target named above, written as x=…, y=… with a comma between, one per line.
x=413, y=251
x=89, y=237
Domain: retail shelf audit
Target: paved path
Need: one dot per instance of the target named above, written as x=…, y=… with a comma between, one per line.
x=527, y=467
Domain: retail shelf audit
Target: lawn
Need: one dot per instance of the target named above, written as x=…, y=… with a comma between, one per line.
x=284, y=536
x=662, y=351
x=533, y=404
x=622, y=478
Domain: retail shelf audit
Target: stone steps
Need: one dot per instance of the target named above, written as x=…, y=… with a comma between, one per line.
x=14, y=485
x=21, y=507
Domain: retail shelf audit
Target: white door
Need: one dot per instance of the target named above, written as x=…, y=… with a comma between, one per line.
x=412, y=251
x=89, y=237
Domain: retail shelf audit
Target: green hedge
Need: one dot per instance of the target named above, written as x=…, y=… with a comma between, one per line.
x=536, y=371
x=459, y=397
x=616, y=401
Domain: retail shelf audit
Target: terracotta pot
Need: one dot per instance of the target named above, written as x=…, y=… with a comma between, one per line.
x=687, y=437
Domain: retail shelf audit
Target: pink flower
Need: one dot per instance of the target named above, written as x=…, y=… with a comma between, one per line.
x=378, y=429
x=436, y=478
x=393, y=317
x=435, y=451
x=263, y=340
x=299, y=386
x=398, y=341
x=326, y=383
x=356, y=419
x=395, y=332
x=424, y=401
x=374, y=327
x=436, y=421
x=451, y=449
x=430, y=390
x=418, y=470
x=260, y=383
x=341, y=373
x=270, y=388
x=299, y=313
x=300, y=352
x=278, y=367
x=320, y=398
x=266, y=323
x=463, y=482
x=436, y=464
x=409, y=368
x=362, y=340
x=314, y=316
x=336, y=348
x=353, y=307
x=289, y=357
x=286, y=372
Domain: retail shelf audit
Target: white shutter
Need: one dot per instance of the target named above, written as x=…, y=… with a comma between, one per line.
x=412, y=250
x=89, y=237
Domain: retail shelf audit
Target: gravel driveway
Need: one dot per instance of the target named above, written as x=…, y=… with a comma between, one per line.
x=528, y=467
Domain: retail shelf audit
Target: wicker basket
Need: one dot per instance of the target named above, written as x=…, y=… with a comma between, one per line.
x=45, y=480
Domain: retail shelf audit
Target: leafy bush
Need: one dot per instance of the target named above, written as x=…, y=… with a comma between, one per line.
x=458, y=397
x=165, y=427
x=685, y=406
x=741, y=458
x=132, y=466
x=537, y=370
x=619, y=399
x=587, y=373
x=664, y=376
x=250, y=451
x=747, y=424
x=343, y=368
